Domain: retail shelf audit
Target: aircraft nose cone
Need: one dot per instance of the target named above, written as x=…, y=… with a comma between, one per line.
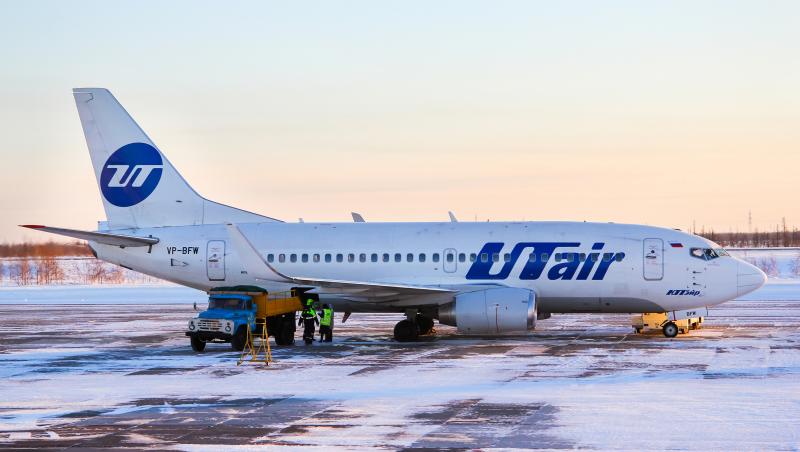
x=749, y=278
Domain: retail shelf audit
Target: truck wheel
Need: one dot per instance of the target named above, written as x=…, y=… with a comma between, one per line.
x=670, y=329
x=287, y=336
x=198, y=344
x=238, y=341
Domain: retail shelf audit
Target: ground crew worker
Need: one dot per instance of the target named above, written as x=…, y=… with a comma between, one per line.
x=308, y=318
x=326, y=324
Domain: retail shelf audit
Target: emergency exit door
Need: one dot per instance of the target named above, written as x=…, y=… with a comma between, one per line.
x=653, y=259
x=450, y=263
x=215, y=260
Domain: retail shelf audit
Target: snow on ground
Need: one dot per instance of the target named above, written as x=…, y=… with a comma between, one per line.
x=123, y=375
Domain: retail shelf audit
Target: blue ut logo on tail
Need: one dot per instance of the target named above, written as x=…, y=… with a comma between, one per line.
x=131, y=174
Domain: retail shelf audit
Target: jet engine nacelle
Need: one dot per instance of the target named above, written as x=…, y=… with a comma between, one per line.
x=491, y=311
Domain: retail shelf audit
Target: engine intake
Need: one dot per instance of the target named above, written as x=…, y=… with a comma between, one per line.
x=491, y=311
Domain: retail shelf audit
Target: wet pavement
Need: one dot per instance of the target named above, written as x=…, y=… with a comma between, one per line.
x=102, y=376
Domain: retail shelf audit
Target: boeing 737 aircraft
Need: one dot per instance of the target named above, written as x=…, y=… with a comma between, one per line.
x=484, y=278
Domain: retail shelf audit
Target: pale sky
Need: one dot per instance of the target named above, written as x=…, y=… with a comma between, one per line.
x=659, y=113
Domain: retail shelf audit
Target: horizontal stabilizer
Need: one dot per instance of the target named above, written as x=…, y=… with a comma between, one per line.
x=99, y=237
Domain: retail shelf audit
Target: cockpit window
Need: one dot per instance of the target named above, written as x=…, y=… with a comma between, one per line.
x=708, y=253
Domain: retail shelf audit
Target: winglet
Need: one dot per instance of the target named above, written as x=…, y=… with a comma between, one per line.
x=453, y=218
x=357, y=218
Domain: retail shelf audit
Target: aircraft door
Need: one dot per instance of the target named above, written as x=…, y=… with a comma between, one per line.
x=215, y=260
x=653, y=259
x=449, y=260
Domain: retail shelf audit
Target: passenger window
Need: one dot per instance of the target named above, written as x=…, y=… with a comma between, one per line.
x=558, y=257
x=339, y=257
x=316, y=257
x=304, y=257
x=422, y=257
x=619, y=256
x=293, y=257
x=472, y=257
x=532, y=257
x=281, y=257
x=435, y=257
x=607, y=257
x=495, y=257
x=583, y=257
x=270, y=257
x=351, y=257
x=398, y=257
x=484, y=257
x=327, y=257
x=450, y=257
x=386, y=257
x=593, y=257
x=507, y=257
x=410, y=257
x=545, y=257
x=374, y=257
x=462, y=257
x=362, y=257
x=570, y=257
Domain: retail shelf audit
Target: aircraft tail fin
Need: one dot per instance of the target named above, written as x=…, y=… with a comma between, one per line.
x=139, y=186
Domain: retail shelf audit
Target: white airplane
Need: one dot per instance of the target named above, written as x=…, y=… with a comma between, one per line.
x=484, y=278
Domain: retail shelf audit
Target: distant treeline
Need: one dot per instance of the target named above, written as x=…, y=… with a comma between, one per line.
x=778, y=238
x=44, y=249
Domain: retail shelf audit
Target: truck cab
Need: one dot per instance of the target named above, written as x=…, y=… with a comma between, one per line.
x=225, y=320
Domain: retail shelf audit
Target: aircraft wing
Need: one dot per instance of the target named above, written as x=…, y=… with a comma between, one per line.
x=105, y=238
x=365, y=289
x=255, y=266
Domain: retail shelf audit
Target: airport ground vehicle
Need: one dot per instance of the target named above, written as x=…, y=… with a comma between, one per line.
x=232, y=310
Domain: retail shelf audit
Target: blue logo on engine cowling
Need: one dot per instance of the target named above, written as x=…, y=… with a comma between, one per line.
x=131, y=174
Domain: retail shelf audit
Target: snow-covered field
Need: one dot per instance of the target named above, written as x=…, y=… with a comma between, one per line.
x=80, y=368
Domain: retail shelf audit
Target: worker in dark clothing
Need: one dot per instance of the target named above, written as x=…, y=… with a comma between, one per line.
x=308, y=318
x=326, y=324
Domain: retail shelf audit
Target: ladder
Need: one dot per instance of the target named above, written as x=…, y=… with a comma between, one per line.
x=257, y=353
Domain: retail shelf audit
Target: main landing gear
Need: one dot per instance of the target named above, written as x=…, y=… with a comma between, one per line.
x=414, y=326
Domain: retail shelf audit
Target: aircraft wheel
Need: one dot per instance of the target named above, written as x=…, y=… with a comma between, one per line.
x=425, y=324
x=198, y=344
x=406, y=331
x=239, y=339
x=670, y=329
